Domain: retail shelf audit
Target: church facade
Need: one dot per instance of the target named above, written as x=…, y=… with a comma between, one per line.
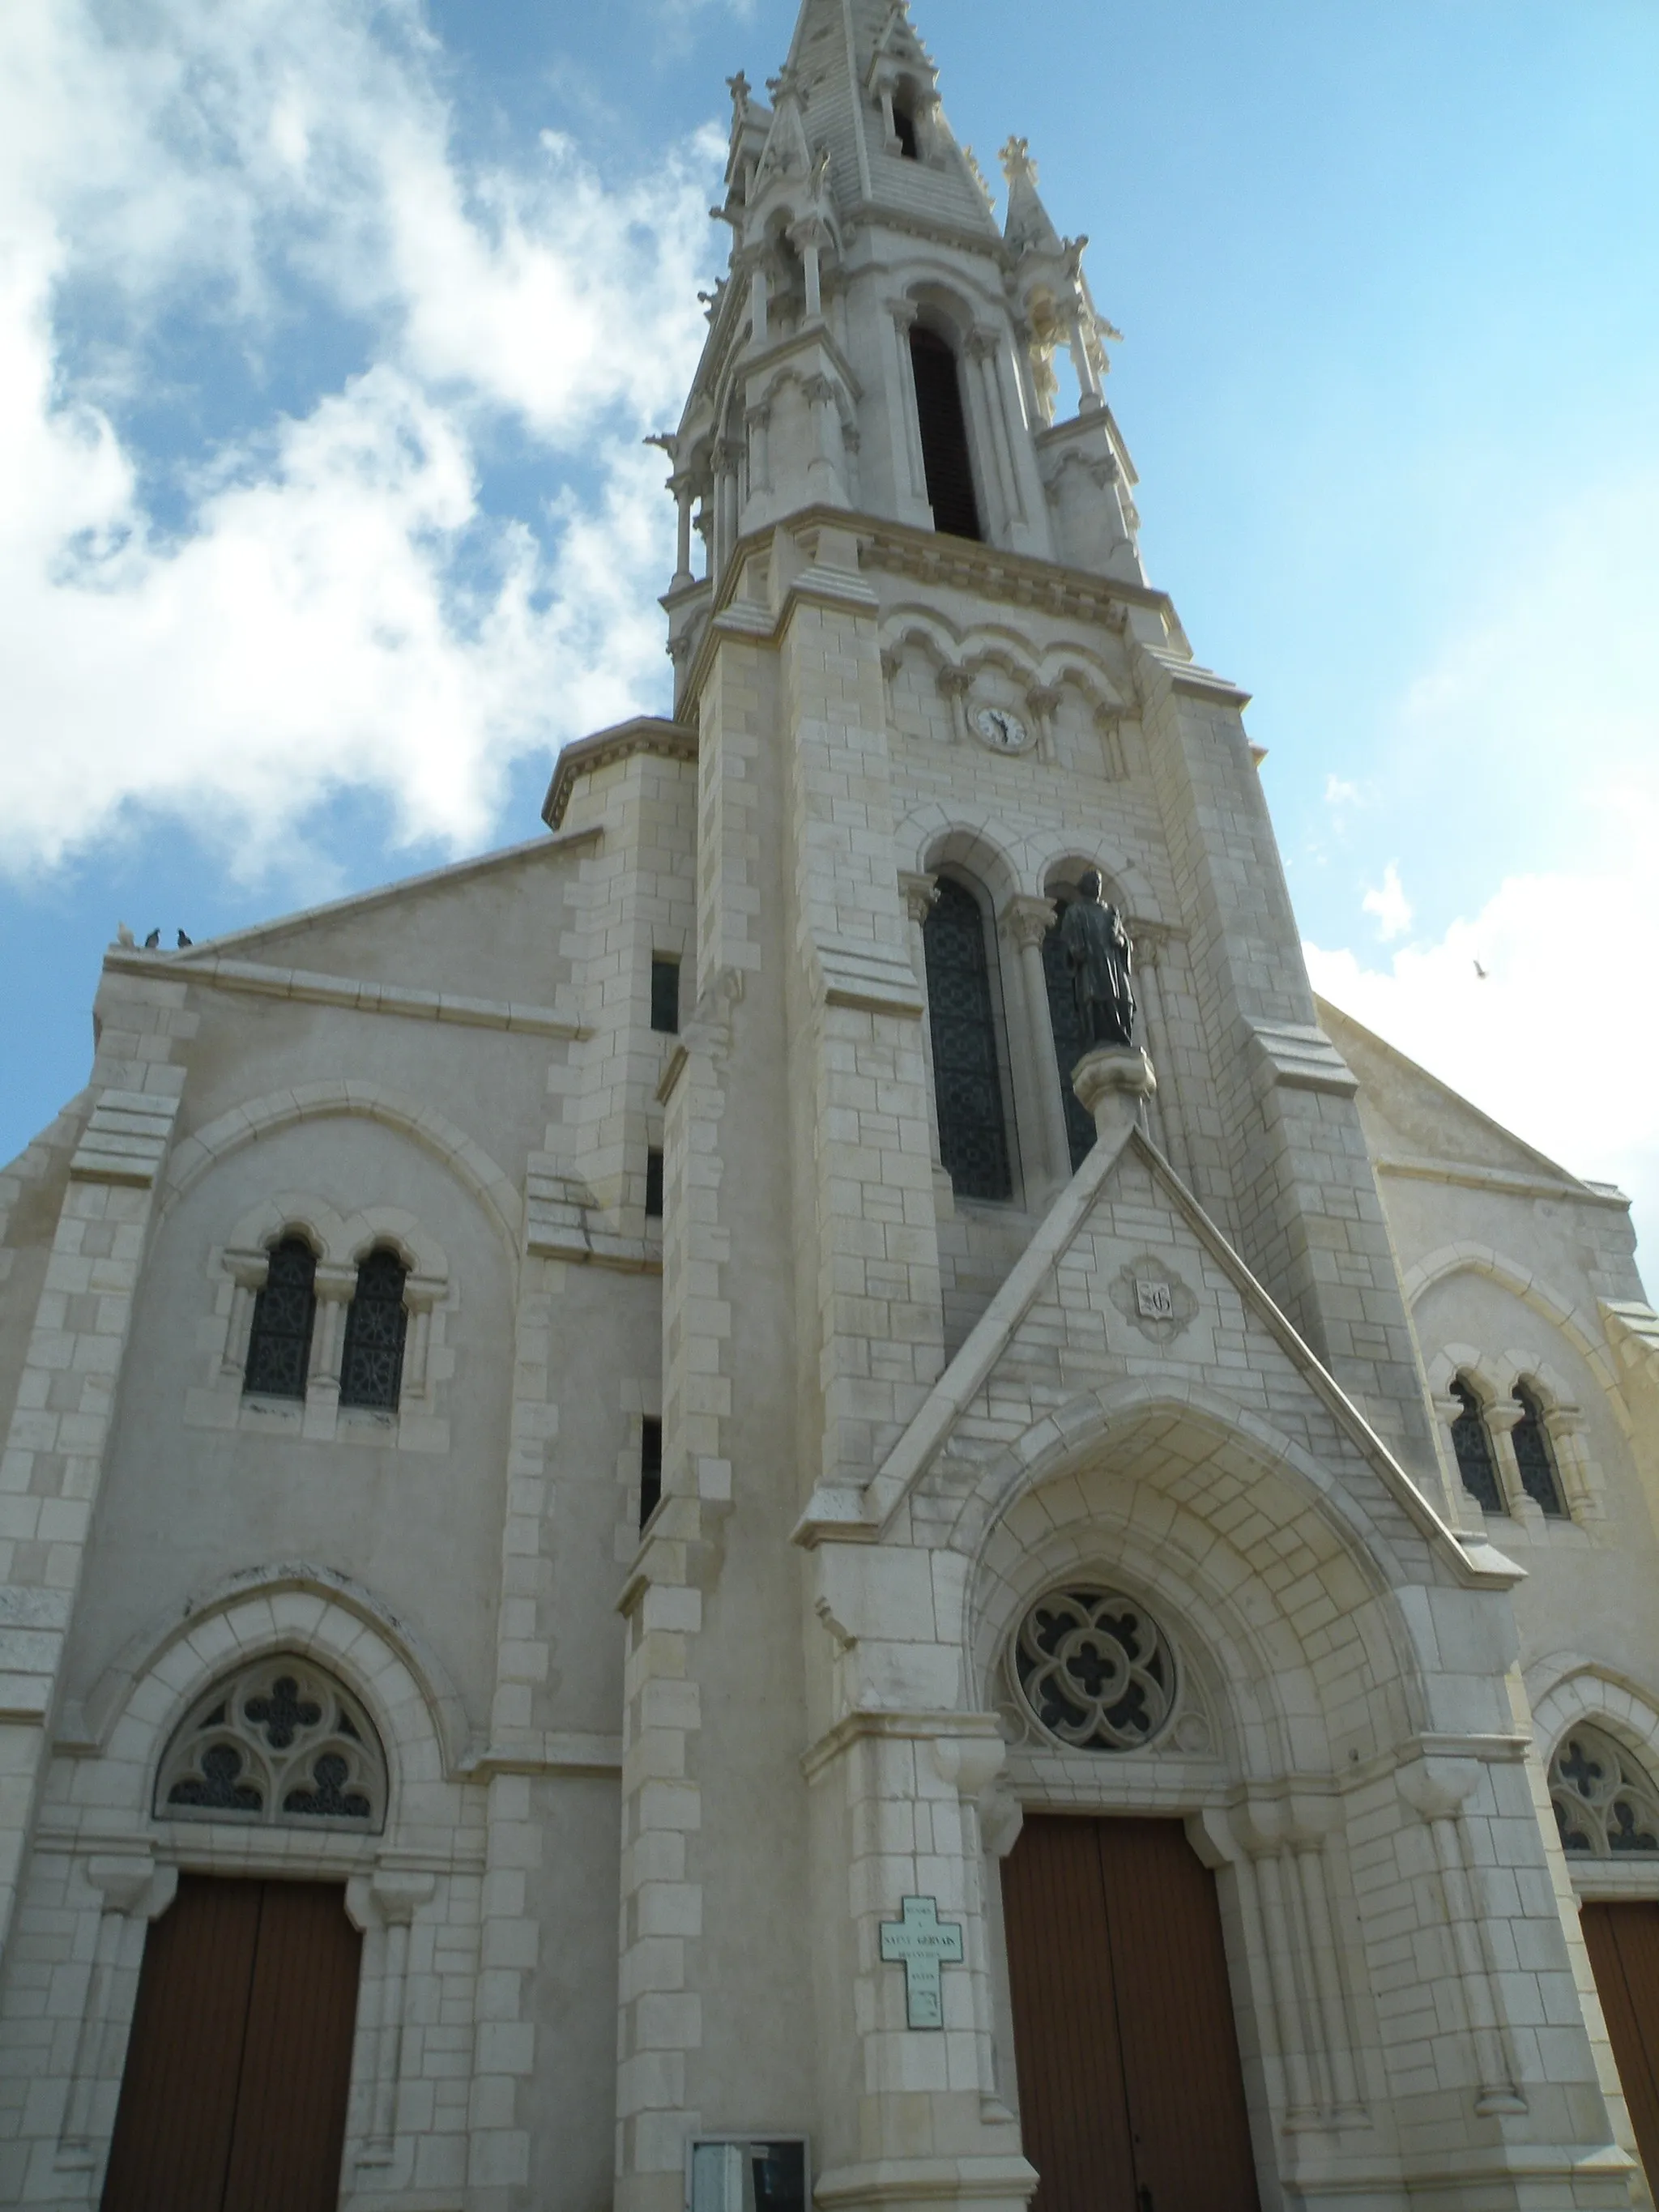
x=671, y=1538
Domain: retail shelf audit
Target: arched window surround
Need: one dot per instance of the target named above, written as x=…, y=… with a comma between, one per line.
x=342, y=1243
x=1023, y=919
x=1569, y=1692
x=1493, y=1379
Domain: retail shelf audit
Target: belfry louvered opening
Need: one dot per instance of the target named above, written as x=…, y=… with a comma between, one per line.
x=945, y=454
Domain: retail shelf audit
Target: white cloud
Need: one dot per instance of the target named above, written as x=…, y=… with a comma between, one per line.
x=338, y=604
x=1555, y=1042
x=1387, y=901
x=1340, y=794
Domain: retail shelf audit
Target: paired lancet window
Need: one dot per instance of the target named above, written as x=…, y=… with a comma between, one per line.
x=1534, y=1469
x=285, y=1319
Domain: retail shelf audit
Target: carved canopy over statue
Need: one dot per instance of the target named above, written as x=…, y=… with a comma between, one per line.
x=1100, y=956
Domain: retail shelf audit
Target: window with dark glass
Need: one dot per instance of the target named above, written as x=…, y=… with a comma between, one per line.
x=904, y=130
x=650, y=1468
x=371, y=1366
x=945, y=451
x=1472, y=1448
x=654, y=1185
x=665, y=995
x=973, y=1125
x=1534, y=1457
x=1070, y=1041
x=284, y=1312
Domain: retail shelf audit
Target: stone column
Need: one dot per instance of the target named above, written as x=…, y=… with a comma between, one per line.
x=1030, y=921
x=1503, y=1417
x=684, y=498
x=905, y=430
x=986, y=437
x=1436, y=1789
x=125, y=1885
x=920, y=896
x=396, y=1898
x=1168, y=1131
x=334, y=1287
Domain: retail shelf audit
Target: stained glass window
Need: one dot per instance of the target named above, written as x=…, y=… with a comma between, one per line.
x=1533, y=1456
x=973, y=1126
x=1070, y=1041
x=371, y=1366
x=1606, y=1805
x=279, y=1342
x=280, y=1744
x=1473, y=1447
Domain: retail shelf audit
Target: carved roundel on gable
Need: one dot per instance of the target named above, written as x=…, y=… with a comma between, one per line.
x=1150, y=1295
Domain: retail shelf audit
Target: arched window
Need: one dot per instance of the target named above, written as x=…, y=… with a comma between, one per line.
x=279, y=1744
x=1606, y=1805
x=1070, y=1041
x=945, y=451
x=279, y=1341
x=1535, y=1456
x=1473, y=1447
x=972, y=1121
x=904, y=130
x=372, y=1365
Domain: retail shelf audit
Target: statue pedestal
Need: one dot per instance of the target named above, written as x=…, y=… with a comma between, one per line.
x=1111, y=1081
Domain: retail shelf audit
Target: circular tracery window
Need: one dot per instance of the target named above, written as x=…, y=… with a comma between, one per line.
x=1605, y=1805
x=1096, y=1669
x=279, y=1744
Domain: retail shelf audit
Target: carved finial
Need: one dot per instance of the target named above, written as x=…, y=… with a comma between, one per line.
x=1016, y=162
x=742, y=92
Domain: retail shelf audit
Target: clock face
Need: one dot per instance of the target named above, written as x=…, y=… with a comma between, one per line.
x=1003, y=731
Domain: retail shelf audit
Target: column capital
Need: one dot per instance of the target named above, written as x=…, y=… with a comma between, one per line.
x=920, y=896
x=1027, y=920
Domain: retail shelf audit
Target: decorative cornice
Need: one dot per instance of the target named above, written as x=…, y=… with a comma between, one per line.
x=360, y=996
x=646, y=733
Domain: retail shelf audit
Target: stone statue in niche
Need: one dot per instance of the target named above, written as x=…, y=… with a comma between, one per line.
x=1101, y=958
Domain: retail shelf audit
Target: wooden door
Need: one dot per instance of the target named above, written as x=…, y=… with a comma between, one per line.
x=1130, y=2096
x=1623, y=1941
x=239, y=2060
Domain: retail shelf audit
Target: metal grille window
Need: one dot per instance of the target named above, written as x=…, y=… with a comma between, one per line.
x=279, y=1744
x=1533, y=1456
x=973, y=1127
x=1070, y=1043
x=284, y=1312
x=665, y=995
x=371, y=1366
x=1606, y=1805
x=945, y=456
x=1473, y=1447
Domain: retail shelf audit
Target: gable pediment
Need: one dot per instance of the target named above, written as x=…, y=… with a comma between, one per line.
x=1130, y=1294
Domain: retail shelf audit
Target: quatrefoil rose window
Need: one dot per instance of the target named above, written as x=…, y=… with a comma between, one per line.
x=278, y=1744
x=1096, y=1669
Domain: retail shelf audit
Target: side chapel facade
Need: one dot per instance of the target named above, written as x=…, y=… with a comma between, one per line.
x=641, y=1564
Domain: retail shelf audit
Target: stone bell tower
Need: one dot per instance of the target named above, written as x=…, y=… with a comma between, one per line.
x=929, y=688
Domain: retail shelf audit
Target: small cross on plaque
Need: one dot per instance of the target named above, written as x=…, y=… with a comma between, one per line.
x=921, y=1943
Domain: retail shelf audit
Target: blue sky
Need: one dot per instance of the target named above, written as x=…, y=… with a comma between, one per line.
x=329, y=331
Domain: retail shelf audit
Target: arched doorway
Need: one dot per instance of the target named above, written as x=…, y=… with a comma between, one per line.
x=1130, y=2094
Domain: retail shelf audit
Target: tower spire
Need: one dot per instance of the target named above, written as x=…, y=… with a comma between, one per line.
x=880, y=344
